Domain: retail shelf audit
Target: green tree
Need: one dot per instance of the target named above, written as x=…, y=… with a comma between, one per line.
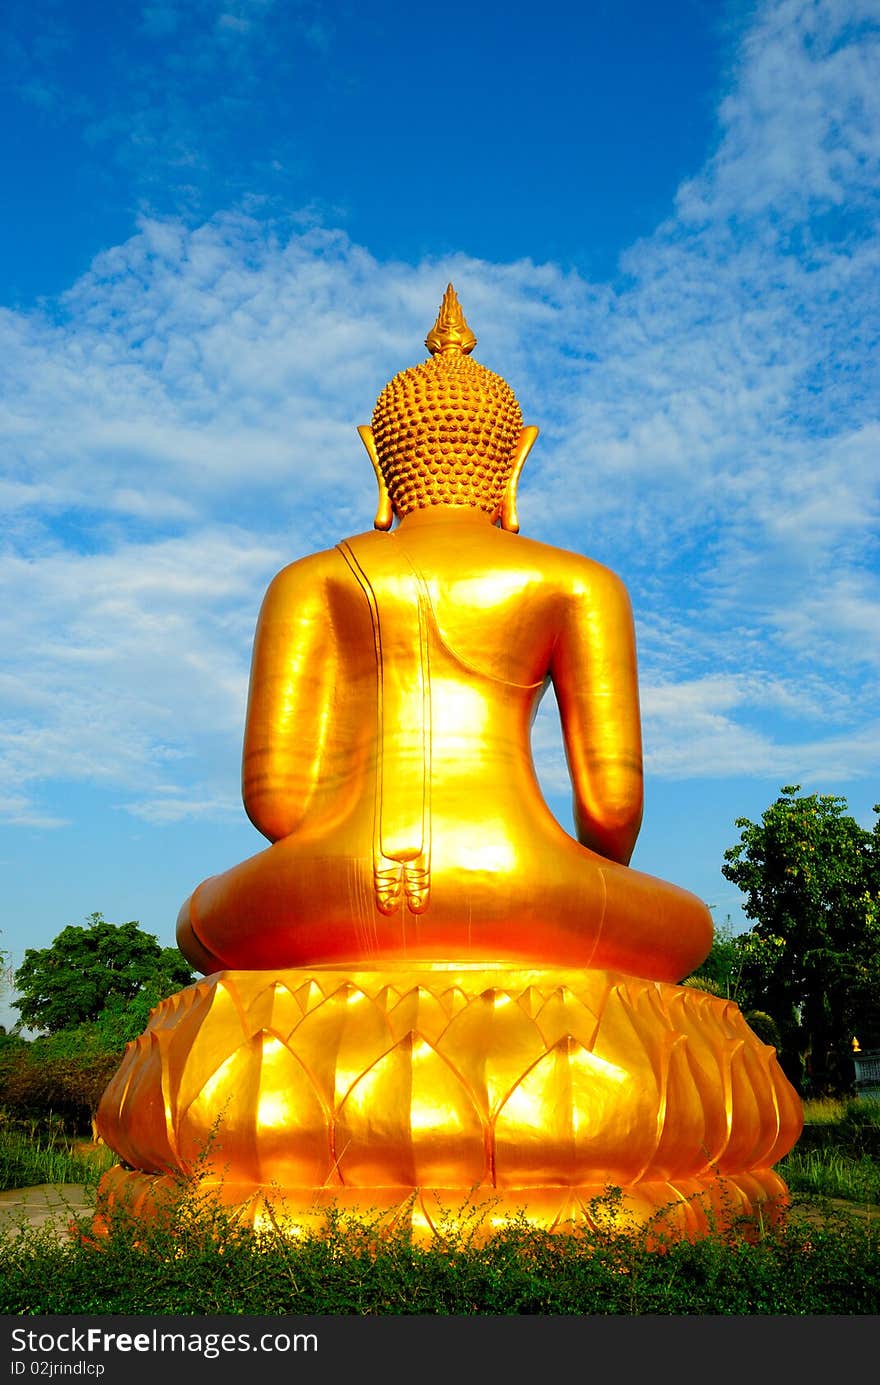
x=719, y=972
x=103, y=974
x=810, y=875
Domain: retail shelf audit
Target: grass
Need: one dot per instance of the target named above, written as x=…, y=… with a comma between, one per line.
x=28, y=1159
x=201, y=1261
x=826, y=1173
x=838, y=1155
x=826, y=1110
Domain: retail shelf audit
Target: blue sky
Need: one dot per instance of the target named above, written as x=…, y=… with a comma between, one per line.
x=227, y=225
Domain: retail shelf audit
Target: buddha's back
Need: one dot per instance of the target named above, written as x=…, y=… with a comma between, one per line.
x=387, y=748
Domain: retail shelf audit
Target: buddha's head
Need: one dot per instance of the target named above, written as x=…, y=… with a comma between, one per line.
x=448, y=431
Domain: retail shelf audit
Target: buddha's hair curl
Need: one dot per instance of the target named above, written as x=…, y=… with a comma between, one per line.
x=446, y=432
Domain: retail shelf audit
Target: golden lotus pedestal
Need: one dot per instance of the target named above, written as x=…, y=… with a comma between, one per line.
x=442, y=1096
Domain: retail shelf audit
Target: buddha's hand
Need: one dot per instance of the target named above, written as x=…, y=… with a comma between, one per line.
x=417, y=885
x=388, y=886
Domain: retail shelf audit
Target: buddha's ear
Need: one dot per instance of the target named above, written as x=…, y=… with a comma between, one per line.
x=385, y=512
x=509, y=517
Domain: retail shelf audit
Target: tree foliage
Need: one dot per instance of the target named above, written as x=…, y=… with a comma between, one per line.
x=718, y=973
x=104, y=974
x=39, y=1084
x=810, y=875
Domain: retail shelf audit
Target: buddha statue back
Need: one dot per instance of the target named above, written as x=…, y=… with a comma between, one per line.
x=387, y=751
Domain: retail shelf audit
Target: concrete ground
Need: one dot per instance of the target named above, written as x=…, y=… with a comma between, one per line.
x=53, y=1205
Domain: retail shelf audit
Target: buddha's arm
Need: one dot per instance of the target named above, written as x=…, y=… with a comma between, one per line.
x=594, y=674
x=293, y=672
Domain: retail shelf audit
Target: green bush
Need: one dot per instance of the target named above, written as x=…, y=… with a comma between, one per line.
x=765, y=1027
x=37, y=1083
x=203, y=1262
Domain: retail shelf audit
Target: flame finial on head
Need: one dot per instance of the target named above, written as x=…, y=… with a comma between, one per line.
x=450, y=332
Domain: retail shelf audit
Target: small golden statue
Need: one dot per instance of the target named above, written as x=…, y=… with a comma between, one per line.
x=425, y=990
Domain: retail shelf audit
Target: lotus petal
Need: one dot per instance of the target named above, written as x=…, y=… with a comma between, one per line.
x=213, y=1030
x=418, y=1009
x=339, y=1040
x=142, y=1135
x=790, y=1115
x=259, y=1117
x=275, y=1007
x=619, y=1041
x=410, y=1120
x=708, y=1058
x=573, y=1118
x=453, y=1000
x=531, y=999
x=491, y=1044
x=564, y=1012
x=746, y=1126
x=681, y=1122
x=309, y=994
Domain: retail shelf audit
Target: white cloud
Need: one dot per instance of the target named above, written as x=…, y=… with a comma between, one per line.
x=129, y=667
x=800, y=126
x=706, y=728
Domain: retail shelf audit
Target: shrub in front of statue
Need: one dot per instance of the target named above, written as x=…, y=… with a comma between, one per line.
x=202, y=1260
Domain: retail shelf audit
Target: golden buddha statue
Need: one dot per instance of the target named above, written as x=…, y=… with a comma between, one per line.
x=387, y=755
x=424, y=985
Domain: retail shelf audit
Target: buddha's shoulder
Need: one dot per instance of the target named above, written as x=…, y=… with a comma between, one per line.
x=303, y=576
x=572, y=572
x=310, y=575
